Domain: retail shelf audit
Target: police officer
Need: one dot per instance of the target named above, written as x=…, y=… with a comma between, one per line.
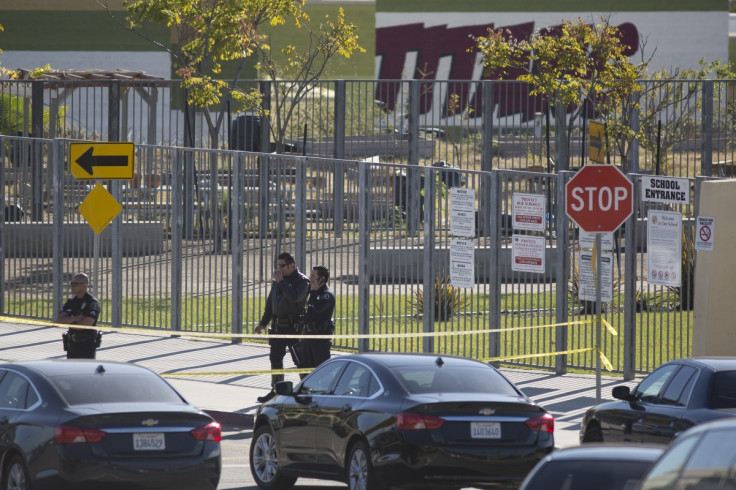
x=80, y=309
x=285, y=303
x=318, y=319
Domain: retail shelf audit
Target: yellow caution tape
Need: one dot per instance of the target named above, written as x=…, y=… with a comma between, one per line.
x=604, y=359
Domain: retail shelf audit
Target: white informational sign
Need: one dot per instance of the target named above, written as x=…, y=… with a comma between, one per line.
x=704, y=229
x=462, y=212
x=664, y=248
x=587, y=278
x=462, y=263
x=587, y=240
x=528, y=211
x=668, y=190
x=527, y=253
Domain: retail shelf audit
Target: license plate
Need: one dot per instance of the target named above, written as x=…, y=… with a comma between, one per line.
x=149, y=441
x=485, y=430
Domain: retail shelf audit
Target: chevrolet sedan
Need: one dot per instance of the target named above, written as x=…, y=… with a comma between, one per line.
x=379, y=420
x=674, y=397
x=101, y=425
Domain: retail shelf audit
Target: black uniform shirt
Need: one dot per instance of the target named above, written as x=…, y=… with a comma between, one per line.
x=85, y=306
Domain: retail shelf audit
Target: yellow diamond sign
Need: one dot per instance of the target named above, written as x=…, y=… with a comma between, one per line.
x=99, y=208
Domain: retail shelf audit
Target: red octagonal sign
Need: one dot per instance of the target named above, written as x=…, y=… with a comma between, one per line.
x=599, y=198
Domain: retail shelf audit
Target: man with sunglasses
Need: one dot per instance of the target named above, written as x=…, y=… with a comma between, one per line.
x=284, y=306
x=80, y=309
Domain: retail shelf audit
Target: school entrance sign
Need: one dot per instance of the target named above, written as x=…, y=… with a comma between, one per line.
x=599, y=198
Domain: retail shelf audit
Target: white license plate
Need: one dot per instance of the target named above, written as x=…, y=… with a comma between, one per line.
x=485, y=430
x=149, y=441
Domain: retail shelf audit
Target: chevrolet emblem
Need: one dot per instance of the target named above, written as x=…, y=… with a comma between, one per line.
x=486, y=411
x=149, y=422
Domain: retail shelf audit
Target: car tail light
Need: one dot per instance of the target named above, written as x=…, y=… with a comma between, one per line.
x=209, y=432
x=415, y=421
x=66, y=434
x=545, y=423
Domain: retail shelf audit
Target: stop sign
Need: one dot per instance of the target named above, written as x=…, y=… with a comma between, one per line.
x=599, y=198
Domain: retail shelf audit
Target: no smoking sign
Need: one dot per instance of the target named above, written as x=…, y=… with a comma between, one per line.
x=704, y=232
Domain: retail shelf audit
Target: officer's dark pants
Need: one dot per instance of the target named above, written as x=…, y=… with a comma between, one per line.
x=80, y=343
x=278, y=351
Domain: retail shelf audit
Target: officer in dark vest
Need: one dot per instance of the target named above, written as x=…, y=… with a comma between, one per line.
x=80, y=309
x=317, y=320
x=284, y=306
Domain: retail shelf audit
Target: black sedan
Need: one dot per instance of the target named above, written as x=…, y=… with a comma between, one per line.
x=379, y=420
x=604, y=467
x=98, y=424
x=676, y=396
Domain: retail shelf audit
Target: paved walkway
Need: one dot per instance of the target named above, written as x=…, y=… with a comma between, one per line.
x=215, y=375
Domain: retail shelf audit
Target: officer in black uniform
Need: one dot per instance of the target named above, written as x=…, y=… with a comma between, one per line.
x=80, y=309
x=317, y=320
x=284, y=306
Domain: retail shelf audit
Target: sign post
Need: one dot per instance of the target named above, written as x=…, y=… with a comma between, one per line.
x=599, y=198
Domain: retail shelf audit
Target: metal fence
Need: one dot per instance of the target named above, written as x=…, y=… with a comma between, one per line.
x=199, y=231
x=681, y=128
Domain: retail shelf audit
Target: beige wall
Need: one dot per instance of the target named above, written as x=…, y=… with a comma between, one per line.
x=714, y=329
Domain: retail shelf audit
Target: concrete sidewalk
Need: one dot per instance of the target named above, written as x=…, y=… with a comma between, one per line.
x=210, y=373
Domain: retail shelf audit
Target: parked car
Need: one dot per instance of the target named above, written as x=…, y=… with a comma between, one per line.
x=401, y=419
x=86, y=424
x=674, y=397
x=703, y=457
x=605, y=467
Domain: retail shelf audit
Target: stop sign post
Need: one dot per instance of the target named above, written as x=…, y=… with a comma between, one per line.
x=599, y=198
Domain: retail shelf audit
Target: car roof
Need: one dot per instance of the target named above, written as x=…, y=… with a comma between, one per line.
x=395, y=359
x=714, y=363
x=66, y=367
x=588, y=452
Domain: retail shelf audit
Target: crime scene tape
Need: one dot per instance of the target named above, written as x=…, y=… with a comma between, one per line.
x=186, y=334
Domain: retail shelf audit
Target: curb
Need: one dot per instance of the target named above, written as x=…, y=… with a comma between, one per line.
x=232, y=418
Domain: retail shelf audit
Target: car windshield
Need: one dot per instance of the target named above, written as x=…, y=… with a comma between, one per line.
x=114, y=388
x=584, y=475
x=454, y=379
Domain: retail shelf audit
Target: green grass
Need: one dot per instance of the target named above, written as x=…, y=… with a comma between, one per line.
x=661, y=336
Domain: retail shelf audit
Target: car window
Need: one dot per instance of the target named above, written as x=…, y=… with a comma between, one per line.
x=114, y=388
x=679, y=389
x=588, y=475
x=724, y=390
x=663, y=475
x=357, y=380
x=322, y=379
x=14, y=392
x=454, y=379
x=710, y=461
x=649, y=388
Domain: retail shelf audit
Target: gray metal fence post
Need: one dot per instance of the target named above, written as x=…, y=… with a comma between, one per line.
x=57, y=166
x=300, y=212
x=430, y=269
x=339, y=171
x=707, y=129
x=630, y=259
x=177, y=235
x=494, y=286
x=413, y=123
x=486, y=159
x=562, y=306
x=116, y=227
x=236, y=222
x=364, y=243
x=633, y=156
x=36, y=157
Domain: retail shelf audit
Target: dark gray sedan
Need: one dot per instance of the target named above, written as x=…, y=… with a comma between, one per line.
x=674, y=397
x=90, y=424
x=379, y=420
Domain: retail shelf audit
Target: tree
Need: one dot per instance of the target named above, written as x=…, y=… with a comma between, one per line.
x=568, y=65
x=211, y=33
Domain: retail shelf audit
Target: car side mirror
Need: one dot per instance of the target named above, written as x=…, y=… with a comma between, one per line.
x=284, y=388
x=622, y=393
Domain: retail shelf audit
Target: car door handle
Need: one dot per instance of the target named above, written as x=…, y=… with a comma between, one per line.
x=3, y=420
x=347, y=408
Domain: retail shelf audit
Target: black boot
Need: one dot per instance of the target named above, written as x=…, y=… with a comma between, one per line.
x=275, y=378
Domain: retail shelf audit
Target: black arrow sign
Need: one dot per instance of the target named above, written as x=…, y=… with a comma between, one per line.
x=87, y=161
x=596, y=142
